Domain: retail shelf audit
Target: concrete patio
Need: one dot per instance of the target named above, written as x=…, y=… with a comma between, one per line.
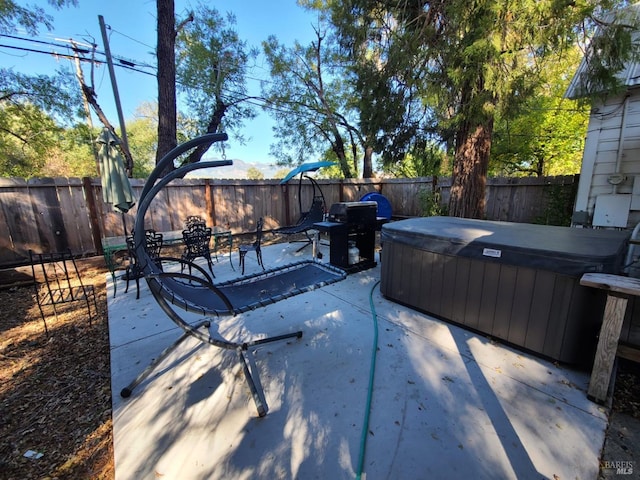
x=446, y=403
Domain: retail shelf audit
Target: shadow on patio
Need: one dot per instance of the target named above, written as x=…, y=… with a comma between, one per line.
x=446, y=402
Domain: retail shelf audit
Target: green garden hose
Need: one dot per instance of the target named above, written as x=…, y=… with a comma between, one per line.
x=372, y=372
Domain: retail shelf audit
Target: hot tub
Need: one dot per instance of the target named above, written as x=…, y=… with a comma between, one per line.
x=515, y=282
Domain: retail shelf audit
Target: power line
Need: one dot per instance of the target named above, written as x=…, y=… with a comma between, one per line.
x=33, y=40
x=130, y=38
x=122, y=63
x=33, y=50
x=71, y=44
x=127, y=63
x=132, y=66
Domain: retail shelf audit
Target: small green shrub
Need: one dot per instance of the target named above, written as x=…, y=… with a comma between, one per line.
x=430, y=202
x=559, y=205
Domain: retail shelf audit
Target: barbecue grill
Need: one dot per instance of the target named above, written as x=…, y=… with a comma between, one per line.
x=352, y=234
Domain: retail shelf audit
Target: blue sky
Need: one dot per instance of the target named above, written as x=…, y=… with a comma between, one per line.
x=132, y=36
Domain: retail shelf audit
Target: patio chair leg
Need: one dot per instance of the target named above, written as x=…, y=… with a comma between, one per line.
x=210, y=263
x=307, y=242
x=114, y=283
x=128, y=390
x=303, y=247
x=242, y=255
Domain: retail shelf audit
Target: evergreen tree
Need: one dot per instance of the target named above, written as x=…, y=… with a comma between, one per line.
x=475, y=60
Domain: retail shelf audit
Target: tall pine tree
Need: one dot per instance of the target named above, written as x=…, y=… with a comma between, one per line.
x=473, y=59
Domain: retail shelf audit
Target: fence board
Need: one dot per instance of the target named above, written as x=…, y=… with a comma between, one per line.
x=158, y=211
x=32, y=212
x=182, y=202
x=48, y=215
x=225, y=196
x=7, y=247
x=76, y=215
x=19, y=218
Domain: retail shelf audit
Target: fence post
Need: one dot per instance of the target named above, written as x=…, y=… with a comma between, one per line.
x=287, y=208
x=208, y=198
x=96, y=231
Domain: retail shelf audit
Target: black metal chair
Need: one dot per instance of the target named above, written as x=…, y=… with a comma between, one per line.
x=194, y=220
x=153, y=245
x=197, y=240
x=255, y=247
x=305, y=223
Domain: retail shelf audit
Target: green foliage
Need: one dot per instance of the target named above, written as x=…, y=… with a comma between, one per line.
x=430, y=202
x=30, y=18
x=559, y=205
x=39, y=134
x=56, y=95
x=310, y=103
x=429, y=160
x=281, y=173
x=211, y=69
x=470, y=62
x=37, y=113
x=142, y=133
x=546, y=135
x=35, y=145
x=330, y=172
x=254, y=174
x=26, y=136
x=382, y=110
x=72, y=156
x=614, y=44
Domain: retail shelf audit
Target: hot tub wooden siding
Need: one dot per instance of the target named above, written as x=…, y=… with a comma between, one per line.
x=540, y=309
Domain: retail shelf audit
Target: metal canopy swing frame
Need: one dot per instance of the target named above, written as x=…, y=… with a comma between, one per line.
x=197, y=293
x=318, y=206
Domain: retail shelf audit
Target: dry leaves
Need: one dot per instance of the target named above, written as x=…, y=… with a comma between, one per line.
x=55, y=393
x=626, y=398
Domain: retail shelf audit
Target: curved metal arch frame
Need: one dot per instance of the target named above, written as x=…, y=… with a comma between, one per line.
x=153, y=275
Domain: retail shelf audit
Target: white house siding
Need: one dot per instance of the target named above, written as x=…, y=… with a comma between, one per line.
x=604, y=136
x=601, y=155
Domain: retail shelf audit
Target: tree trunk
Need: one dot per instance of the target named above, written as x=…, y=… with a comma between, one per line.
x=167, y=111
x=337, y=145
x=473, y=145
x=367, y=164
x=213, y=127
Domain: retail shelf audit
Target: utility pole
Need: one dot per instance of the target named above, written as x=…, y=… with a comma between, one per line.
x=87, y=109
x=107, y=52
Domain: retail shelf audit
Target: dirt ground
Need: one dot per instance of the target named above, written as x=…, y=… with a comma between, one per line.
x=55, y=391
x=626, y=398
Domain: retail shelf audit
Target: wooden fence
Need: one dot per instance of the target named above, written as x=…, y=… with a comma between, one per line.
x=52, y=214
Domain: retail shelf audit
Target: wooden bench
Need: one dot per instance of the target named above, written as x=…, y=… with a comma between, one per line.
x=618, y=290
